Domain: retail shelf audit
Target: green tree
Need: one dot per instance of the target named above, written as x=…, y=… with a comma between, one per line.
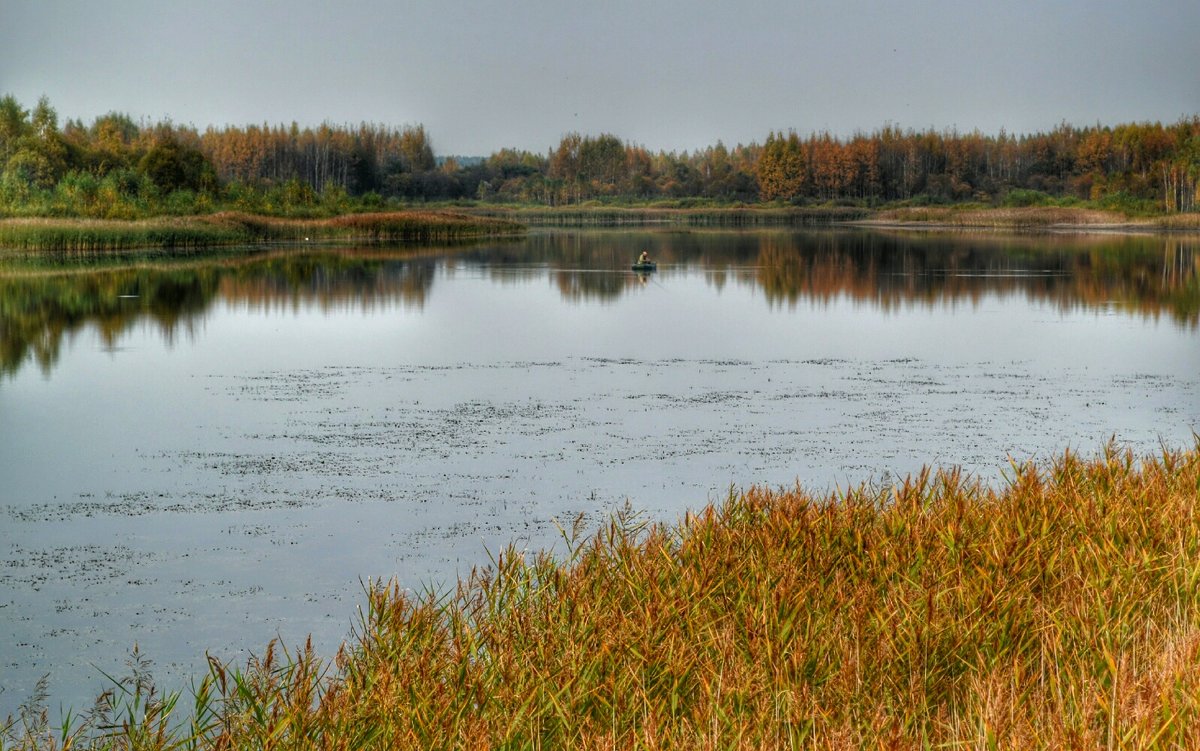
x=601, y=163
x=14, y=125
x=35, y=153
x=112, y=138
x=173, y=166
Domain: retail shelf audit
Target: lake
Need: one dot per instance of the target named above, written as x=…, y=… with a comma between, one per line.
x=203, y=452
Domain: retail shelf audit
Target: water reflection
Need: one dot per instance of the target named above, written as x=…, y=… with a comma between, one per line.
x=1147, y=276
x=331, y=281
x=46, y=299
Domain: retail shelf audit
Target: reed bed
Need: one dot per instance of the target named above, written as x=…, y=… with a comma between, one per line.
x=1031, y=217
x=92, y=235
x=1186, y=222
x=396, y=226
x=620, y=216
x=231, y=228
x=1057, y=611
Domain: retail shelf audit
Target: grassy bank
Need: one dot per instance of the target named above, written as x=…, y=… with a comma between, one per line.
x=600, y=215
x=964, y=216
x=1059, y=611
x=1027, y=218
x=482, y=220
x=229, y=228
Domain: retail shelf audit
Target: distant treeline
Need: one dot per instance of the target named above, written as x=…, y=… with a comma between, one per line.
x=118, y=168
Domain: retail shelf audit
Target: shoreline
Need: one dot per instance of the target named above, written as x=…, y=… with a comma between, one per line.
x=1029, y=219
x=692, y=630
x=226, y=229
x=1034, y=219
x=1116, y=228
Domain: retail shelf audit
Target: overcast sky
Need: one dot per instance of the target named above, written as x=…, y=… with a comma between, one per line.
x=668, y=75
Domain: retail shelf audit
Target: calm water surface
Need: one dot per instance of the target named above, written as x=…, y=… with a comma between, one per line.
x=202, y=454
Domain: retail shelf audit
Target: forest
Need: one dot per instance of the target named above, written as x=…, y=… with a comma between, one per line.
x=119, y=168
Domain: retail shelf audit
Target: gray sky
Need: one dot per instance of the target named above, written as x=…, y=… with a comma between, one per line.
x=669, y=75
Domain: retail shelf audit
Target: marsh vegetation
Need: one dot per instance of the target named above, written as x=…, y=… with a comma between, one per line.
x=1057, y=610
x=229, y=228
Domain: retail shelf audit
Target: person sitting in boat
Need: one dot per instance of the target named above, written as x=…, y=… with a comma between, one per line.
x=644, y=257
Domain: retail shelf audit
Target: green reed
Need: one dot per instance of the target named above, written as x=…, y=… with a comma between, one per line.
x=1057, y=611
x=229, y=228
x=88, y=235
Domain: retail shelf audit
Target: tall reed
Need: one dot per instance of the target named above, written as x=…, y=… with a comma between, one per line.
x=1030, y=218
x=230, y=228
x=714, y=216
x=1058, y=611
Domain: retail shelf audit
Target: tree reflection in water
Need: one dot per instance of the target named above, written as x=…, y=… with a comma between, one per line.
x=45, y=299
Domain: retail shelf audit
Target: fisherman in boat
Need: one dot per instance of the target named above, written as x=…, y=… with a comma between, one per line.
x=644, y=258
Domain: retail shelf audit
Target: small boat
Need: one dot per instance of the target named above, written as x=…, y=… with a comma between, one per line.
x=646, y=266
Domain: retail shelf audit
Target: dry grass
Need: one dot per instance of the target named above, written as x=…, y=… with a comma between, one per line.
x=1028, y=217
x=1007, y=218
x=1189, y=221
x=713, y=216
x=378, y=227
x=1059, y=611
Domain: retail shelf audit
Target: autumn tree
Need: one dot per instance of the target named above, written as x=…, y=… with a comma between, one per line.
x=565, y=164
x=780, y=169
x=116, y=167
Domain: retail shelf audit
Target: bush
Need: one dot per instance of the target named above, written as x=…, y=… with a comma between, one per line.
x=180, y=203
x=1129, y=204
x=1022, y=197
